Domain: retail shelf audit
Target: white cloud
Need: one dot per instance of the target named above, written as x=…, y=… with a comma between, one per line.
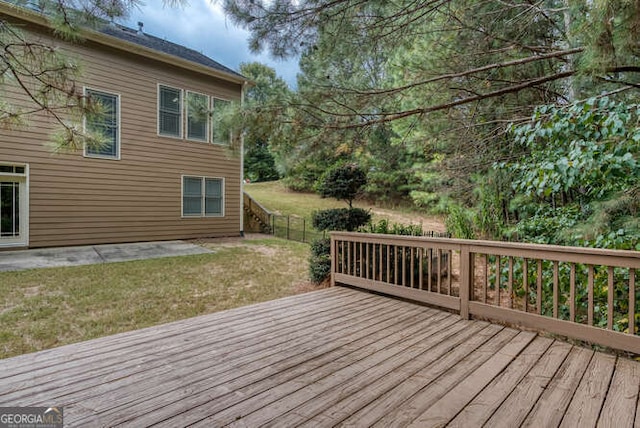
x=202, y=25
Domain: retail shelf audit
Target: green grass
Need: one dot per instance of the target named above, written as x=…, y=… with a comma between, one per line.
x=275, y=197
x=44, y=308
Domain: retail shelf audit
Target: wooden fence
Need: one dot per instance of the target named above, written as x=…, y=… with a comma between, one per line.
x=583, y=293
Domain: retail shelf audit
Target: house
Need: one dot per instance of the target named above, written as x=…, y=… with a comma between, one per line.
x=164, y=173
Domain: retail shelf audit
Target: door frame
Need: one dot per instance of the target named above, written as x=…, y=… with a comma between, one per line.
x=23, y=180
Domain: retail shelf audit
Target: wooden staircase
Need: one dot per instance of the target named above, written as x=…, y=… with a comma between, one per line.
x=257, y=217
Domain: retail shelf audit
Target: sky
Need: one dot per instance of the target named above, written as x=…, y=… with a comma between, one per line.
x=202, y=26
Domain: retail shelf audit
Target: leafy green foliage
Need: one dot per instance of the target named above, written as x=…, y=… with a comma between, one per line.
x=342, y=182
x=259, y=164
x=347, y=219
x=45, y=76
x=388, y=228
x=459, y=223
x=579, y=175
x=320, y=260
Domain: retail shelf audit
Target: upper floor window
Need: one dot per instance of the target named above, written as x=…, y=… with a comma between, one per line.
x=105, y=122
x=169, y=111
x=197, y=116
x=220, y=134
x=201, y=116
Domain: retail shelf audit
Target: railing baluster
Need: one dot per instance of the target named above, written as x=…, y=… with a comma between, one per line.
x=388, y=263
x=430, y=268
x=610, y=293
x=539, y=288
x=466, y=269
x=439, y=269
x=555, y=289
x=498, y=275
x=510, y=283
x=632, y=301
x=412, y=282
x=485, y=284
x=525, y=283
x=380, y=267
x=395, y=264
x=590, y=282
x=366, y=261
x=420, y=267
x=572, y=293
x=449, y=269
x=404, y=267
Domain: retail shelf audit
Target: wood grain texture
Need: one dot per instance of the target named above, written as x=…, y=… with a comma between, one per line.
x=335, y=357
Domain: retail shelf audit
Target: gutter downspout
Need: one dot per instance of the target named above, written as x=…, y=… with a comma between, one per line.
x=244, y=87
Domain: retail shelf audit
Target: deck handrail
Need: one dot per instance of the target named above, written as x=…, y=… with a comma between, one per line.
x=262, y=214
x=582, y=293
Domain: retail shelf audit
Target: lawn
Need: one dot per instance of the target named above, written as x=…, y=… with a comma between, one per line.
x=278, y=199
x=45, y=308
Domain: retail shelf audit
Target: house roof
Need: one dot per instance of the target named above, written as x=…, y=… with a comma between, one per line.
x=165, y=46
x=146, y=45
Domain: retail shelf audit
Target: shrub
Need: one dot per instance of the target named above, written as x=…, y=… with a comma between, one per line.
x=384, y=227
x=346, y=219
x=320, y=261
x=459, y=223
x=342, y=182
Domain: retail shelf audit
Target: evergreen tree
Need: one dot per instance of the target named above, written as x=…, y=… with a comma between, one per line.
x=46, y=76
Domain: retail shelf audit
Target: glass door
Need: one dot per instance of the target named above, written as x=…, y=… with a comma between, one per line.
x=13, y=199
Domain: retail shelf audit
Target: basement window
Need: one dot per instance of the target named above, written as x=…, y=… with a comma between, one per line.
x=202, y=197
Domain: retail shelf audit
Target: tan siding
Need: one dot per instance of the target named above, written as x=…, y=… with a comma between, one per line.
x=76, y=200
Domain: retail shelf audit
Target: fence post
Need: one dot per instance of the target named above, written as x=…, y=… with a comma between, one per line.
x=466, y=280
x=304, y=229
x=288, y=226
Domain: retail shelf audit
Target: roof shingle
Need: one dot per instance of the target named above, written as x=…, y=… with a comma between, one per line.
x=143, y=39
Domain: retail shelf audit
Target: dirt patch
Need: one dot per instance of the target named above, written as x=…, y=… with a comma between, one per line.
x=234, y=240
x=31, y=291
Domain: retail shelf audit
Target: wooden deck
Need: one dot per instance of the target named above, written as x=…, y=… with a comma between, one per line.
x=334, y=357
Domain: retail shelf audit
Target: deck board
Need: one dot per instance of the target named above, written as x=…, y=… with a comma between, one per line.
x=335, y=357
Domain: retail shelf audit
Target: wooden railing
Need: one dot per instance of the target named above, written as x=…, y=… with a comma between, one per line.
x=258, y=212
x=583, y=293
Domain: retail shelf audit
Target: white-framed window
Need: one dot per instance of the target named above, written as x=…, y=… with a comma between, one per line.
x=218, y=134
x=105, y=122
x=202, y=196
x=169, y=111
x=197, y=107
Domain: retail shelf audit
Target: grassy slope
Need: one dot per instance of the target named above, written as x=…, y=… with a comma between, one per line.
x=276, y=198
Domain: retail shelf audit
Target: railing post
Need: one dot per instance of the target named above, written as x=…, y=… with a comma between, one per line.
x=334, y=254
x=466, y=280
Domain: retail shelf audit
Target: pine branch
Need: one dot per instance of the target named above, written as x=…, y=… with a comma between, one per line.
x=390, y=117
x=466, y=73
